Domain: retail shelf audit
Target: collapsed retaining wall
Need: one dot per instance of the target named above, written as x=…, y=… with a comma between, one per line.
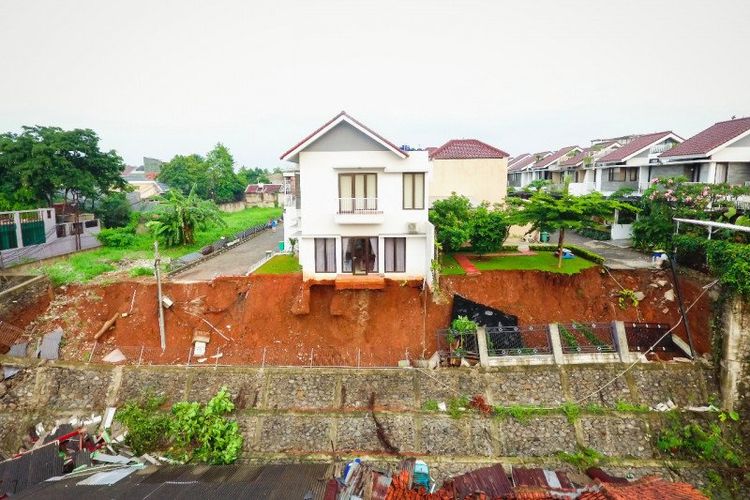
x=24, y=292
x=304, y=413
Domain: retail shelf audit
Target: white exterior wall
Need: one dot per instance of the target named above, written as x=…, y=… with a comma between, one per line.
x=319, y=188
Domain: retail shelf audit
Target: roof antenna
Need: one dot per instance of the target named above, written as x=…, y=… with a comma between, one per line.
x=734, y=116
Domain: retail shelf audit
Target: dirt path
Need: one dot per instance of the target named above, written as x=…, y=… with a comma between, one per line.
x=236, y=261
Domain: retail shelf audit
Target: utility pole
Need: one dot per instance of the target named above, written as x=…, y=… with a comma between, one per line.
x=157, y=262
x=77, y=229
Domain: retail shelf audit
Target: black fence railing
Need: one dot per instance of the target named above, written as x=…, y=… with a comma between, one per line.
x=587, y=337
x=641, y=336
x=518, y=340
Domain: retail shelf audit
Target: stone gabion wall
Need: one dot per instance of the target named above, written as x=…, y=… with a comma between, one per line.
x=309, y=412
x=16, y=299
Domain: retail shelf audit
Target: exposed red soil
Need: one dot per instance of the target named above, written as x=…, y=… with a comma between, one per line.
x=369, y=327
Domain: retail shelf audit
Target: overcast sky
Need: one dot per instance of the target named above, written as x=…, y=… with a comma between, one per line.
x=159, y=78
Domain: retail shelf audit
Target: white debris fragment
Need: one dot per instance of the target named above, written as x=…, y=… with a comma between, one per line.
x=115, y=356
x=669, y=295
x=442, y=406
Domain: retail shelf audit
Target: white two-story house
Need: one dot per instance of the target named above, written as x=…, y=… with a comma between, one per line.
x=359, y=207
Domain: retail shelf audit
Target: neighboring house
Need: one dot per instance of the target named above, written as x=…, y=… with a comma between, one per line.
x=262, y=195
x=470, y=168
x=630, y=166
x=549, y=168
x=719, y=154
x=360, y=206
x=29, y=235
x=515, y=170
x=143, y=178
x=580, y=167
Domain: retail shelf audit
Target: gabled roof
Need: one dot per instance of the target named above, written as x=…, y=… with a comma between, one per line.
x=554, y=156
x=705, y=142
x=574, y=161
x=292, y=153
x=522, y=164
x=262, y=188
x=466, y=149
x=517, y=158
x=636, y=146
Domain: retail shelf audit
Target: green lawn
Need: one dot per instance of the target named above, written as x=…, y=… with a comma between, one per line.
x=542, y=261
x=449, y=266
x=84, y=266
x=280, y=264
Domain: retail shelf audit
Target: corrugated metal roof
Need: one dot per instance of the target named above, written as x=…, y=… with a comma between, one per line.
x=544, y=478
x=490, y=480
x=194, y=482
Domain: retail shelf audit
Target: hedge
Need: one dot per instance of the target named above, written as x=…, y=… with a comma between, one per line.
x=730, y=262
x=579, y=251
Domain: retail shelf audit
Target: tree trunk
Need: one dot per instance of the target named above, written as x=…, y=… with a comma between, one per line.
x=560, y=239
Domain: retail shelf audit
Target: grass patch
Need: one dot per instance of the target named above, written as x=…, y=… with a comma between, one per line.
x=84, y=266
x=141, y=271
x=449, y=266
x=280, y=264
x=542, y=261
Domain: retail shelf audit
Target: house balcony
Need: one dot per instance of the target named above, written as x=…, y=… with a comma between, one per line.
x=359, y=211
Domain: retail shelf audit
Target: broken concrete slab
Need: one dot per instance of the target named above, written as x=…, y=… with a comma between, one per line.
x=50, y=348
x=115, y=356
x=639, y=296
x=669, y=295
x=10, y=371
x=18, y=350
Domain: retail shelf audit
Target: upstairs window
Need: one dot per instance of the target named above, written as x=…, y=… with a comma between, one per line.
x=414, y=191
x=358, y=192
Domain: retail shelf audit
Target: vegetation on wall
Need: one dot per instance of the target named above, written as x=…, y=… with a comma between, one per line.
x=189, y=432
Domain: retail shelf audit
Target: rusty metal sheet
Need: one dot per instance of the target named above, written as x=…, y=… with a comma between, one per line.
x=380, y=485
x=490, y=480
x=542, y=478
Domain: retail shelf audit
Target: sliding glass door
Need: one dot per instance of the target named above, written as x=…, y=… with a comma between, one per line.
x=360, y=255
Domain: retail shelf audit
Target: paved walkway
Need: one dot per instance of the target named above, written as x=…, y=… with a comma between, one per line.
x=237, y=260
x=463, y=261
x=617, y=253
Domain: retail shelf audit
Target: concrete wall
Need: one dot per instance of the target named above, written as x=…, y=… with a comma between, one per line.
x=302, y=412
x=237, y=206
x=479, y=179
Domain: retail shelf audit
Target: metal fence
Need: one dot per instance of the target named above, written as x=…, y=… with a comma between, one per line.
x=518, y=340
x=462, y=345
x=587, y=337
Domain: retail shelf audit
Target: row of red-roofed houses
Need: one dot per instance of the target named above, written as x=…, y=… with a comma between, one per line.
x=718, y=154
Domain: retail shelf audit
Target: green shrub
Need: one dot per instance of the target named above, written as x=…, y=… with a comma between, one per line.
x=582, y=459
x=147, y=425
x=141, y=271
x=114, y=210
x=586, y=254
x=703, y=441
x=116, y=238
x=489, y=229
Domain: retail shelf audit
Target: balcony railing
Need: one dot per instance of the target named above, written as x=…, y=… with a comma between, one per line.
x=358, y=206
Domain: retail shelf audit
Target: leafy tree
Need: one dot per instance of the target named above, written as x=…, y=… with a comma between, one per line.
x=451, y=220
x=40, y=162
x=224, y=185
x=114, y=210
x=253, y=175
x=564, y=211
x=489, y=228
x=184, y=172
x=537, y=185
x=178, y=217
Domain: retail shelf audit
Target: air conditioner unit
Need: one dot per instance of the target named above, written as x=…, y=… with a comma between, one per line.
x=412, y=227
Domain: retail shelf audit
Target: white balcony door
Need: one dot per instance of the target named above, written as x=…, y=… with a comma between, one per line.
x=358, y=192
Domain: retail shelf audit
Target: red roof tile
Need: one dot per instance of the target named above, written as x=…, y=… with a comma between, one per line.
x=711, y=138
x=466, y=149
x=353, y=120
x=554, y=156
x=262, y=188
x=647, y=488
x=634, y=146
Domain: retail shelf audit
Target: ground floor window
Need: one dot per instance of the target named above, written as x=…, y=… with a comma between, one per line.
x=633, y=174
x=616, y=174
x=360, y=255
x=395, y=255
x=325, y=255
